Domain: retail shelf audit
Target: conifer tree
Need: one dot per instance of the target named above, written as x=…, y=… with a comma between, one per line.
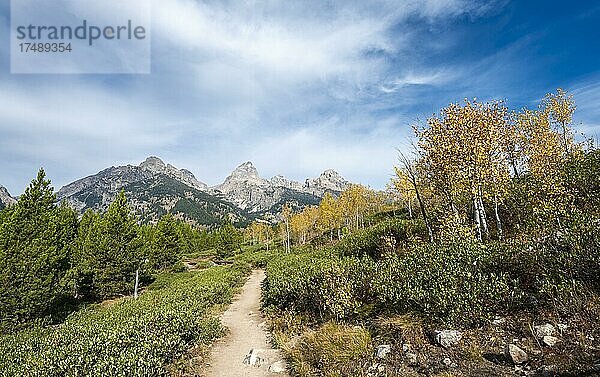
x=117, y=250
x=35, y=237
x=167, y=244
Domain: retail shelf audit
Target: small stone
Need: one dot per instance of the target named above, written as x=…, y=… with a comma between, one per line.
x=550, y=368
x=277, y=367
x=497, y=321
x=562, y=327
x=550, y=341
x=453, y=365
x=543, y=330
x=253, y=358
x=447, y=361
x=447, y=338
x=515, y=354
x=411, y=357
x=405, y=347
x=518, y=369
x=383, y=350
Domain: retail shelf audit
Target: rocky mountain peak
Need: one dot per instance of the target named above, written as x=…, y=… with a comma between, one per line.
x=330, y=174
x=245, y=170
x=245, y=188
x=281, y=181
x=5, y=198
x=330, y=180
x=154, y=164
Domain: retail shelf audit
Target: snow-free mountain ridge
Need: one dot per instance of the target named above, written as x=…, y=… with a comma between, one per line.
x=154, y=188
x=5, y=198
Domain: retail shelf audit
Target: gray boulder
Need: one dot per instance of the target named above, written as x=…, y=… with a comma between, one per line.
x=515, y=354
x=447, y=338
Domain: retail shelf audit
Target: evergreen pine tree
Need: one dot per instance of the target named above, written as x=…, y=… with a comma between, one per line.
x=167, y=245
x=35, y=238
x=117, y=250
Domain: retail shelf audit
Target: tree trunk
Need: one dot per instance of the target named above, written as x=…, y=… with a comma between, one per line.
x=483, y=215
x=137, y=280
x=423, y=212
x=564, y=128
x=498, y=222
x=477, y=218
x=287, y=237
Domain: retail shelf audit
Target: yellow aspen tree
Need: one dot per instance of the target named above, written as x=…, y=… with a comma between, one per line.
x=330, y=215
x=286, y=215
x=561, y=107
x=464, y=154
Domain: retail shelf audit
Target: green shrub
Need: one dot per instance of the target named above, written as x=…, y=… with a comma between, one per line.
x=323, y=283
x=383, y=237
x=257, y=258
x=130, y=338
x=446, y=283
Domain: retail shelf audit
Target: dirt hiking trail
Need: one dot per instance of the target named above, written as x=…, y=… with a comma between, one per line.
x=245, y=351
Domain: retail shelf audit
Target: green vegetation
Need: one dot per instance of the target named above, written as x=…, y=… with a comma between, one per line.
x=56, y=270
x=140, y=337
x=35, y=239
x=496, y=217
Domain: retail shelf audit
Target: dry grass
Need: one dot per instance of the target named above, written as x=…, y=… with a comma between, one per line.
x=332, y=350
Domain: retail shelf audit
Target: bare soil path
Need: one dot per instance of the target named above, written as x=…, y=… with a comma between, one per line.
x=245, y=351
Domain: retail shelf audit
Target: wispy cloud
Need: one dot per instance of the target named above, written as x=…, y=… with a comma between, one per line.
x=297, y=87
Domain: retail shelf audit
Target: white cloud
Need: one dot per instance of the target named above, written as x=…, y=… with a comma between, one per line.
x=290, y=85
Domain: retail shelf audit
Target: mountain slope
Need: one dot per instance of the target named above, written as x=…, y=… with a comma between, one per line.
x=152, y=189
x=245, y=188
x=5, y=198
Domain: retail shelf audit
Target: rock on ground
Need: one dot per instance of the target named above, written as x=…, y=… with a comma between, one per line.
x=515, y=354
x=447, y=338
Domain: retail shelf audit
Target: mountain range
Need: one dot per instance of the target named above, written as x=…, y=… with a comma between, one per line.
x=5, y=198
x=154, y=188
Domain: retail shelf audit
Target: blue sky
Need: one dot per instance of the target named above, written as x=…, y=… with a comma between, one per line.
x=295, y=87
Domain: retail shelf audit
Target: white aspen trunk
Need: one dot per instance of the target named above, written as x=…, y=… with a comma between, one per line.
x=477, y=215
x=137, y=280
x=498, y=222
x=484, y=225
x=409, y=210
x=483, y=215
